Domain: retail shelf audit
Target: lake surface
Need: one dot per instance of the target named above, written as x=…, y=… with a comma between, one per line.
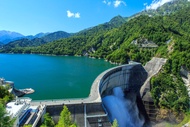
x=52, y=77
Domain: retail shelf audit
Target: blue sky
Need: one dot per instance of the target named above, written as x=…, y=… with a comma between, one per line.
x=30, y=17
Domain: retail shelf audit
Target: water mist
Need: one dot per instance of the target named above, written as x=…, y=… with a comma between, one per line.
x=123, y=108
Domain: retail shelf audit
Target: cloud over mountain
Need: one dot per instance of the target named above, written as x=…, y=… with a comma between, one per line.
x=156, y=3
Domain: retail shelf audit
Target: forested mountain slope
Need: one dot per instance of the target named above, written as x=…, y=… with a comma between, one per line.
x=55, y=36
x=115, y=22
x=33, y=41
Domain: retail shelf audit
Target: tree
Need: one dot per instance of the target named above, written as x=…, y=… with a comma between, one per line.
x=65, y=118
x=115, y=124
x=5, y=95
x=5, y=120
x=48, y=121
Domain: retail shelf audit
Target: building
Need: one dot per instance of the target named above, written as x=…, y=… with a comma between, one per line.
x=24, y=113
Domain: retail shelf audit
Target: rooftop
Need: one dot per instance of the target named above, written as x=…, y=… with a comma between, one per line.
x=14, y=108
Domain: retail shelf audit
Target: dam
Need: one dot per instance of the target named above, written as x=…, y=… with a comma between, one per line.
x=123, y=84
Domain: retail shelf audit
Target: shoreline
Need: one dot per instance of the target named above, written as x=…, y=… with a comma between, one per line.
x=114, y=63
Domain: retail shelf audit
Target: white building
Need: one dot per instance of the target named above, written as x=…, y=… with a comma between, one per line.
x=25, y=113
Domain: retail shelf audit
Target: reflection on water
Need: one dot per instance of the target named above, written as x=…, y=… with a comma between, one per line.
x=123, y=108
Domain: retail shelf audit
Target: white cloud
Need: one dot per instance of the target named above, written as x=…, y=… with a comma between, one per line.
x=156, y=3
x=73, y=15
x=106, y=2
x=77, y=15
x=70, y=14
x=117, y=3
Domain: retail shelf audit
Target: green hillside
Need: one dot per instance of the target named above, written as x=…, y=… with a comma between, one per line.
x=55, y=36
x=115, y=22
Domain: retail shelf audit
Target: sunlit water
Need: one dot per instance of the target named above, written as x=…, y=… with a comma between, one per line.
x=52, y=77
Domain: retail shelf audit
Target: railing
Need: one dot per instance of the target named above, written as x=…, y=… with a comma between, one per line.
x=56, y=100
x=42, y=111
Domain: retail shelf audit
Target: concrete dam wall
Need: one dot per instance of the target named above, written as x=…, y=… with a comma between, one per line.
x=129, y=77
x=120, y=93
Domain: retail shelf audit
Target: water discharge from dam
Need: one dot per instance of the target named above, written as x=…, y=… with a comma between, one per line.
x=123, y=108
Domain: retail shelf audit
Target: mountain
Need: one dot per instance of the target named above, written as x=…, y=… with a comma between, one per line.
x=7, y=36
x=24, y=43
x=55, y=36
x=39, y=35
x=115, y=22
x=33, y=41
x=49, y=37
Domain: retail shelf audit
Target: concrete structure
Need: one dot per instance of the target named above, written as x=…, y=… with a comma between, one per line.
x=89, y=115
x=144, y=43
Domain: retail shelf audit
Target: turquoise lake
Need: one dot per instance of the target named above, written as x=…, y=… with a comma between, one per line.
x=52, y=77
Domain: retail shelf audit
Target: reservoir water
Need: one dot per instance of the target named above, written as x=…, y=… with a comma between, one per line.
x=52, y=77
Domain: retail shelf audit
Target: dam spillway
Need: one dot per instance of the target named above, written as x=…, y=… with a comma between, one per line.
x=123, y=107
